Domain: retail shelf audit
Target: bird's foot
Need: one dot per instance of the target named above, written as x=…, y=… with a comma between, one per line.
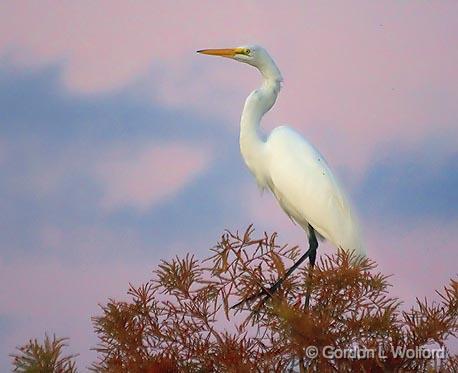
x=268, y=293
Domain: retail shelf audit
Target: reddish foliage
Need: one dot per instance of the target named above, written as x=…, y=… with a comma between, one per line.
x=179, y=315
x=43, y=357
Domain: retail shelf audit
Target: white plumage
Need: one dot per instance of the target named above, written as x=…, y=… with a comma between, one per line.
x=288, y=165
x=308, y=192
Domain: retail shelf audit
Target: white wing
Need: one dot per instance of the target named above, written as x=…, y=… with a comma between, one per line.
x=307, y=190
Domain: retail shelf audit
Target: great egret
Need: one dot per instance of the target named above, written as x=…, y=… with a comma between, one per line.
x=291, y=167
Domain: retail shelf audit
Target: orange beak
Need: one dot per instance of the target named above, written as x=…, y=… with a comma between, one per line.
x=227, y=52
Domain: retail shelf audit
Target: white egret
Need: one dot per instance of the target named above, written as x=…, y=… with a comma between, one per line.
x=291, y=167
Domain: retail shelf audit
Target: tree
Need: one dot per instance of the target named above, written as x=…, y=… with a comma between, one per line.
x=181, y=320
x=46, y=357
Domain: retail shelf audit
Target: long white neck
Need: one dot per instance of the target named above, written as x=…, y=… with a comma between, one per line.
x=259, y=102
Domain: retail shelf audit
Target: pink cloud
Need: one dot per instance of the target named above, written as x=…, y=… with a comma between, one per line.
x=356, y=74
x=108, y=45
x=149, y=175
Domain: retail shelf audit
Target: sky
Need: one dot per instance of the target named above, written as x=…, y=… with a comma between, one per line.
x=119, y=144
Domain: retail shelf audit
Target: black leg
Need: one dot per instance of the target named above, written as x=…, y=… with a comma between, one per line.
x=310, y=253
x=313, y=243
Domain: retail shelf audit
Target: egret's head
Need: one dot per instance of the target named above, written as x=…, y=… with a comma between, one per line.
x=254, y=55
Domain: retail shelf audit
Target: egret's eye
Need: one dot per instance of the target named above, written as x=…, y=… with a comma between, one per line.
x=247, y=51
